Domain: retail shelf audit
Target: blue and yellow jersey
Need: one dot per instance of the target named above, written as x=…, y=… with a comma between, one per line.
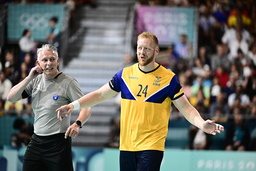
x=145, y=106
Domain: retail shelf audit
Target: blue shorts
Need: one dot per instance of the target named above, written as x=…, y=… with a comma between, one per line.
x=148, y=160
x=48, y=153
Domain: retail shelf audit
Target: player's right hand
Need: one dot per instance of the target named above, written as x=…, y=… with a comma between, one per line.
x=64, y=111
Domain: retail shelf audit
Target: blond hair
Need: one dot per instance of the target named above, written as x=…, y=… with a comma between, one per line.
x=48, y=47
x=149, y=35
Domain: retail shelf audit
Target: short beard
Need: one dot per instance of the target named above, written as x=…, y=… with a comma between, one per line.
x=149, y=60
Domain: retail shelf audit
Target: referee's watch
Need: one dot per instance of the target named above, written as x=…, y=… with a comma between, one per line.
x=79, y=123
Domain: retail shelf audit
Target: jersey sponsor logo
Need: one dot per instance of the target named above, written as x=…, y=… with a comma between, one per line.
x=134, y=78
x=157, y=81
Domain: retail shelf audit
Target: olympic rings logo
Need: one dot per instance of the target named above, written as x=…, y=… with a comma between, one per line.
x=34, y=21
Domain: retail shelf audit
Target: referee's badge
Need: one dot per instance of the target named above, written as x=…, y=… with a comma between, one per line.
x=55, y=97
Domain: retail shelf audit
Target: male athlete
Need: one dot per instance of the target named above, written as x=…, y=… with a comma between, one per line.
x=147, y=90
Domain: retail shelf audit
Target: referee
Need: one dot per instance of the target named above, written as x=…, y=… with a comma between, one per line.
x=49, y=88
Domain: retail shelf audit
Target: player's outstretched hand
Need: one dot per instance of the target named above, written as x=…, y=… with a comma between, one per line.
x=64, y=111
x=211, y=127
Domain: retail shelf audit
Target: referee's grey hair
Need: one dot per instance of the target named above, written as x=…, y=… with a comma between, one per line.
x=48, y=47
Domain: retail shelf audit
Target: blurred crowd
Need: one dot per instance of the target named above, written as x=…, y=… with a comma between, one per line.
x=220, y=81
x=221, y=77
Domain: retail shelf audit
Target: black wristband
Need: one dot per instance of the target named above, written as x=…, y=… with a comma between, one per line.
x=79, y=123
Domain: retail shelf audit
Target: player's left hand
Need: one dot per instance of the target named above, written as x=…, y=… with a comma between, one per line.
x=211, y=127
x=72, y=131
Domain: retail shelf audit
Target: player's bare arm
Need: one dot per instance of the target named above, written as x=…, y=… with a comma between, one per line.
x=192, y=115
x=91, y=99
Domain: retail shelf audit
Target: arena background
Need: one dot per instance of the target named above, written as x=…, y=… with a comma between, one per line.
x=101, y=33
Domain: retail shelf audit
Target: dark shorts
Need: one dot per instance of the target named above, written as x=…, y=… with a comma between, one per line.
x=48, y=153
x=149, y=160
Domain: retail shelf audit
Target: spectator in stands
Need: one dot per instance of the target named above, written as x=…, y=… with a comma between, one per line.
x=231, y=34
x=235, y=71
x=183, y=47
x=219, y=107
x=238, y=45
x=237, y=135
x=53, y=37
x=200, y=69
x=252, y=54
x=248, y=69
x=29, y=61
x=13, y=108
x=23, y=71
x=49, y=89
x=219, y=115
x=220, y=13
x=215, y=89
x=204, y=85
x=250, y=85
x=200, y=99
x=143, y=132
x=203, y=55
x=11, y=67
x=205, y=25
x=198, y=139
x=222, y=75
x=242, y=62
x=27, y=44
x=239, y=98
x=5, y=86
x=220, y=58
x=23, y=137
